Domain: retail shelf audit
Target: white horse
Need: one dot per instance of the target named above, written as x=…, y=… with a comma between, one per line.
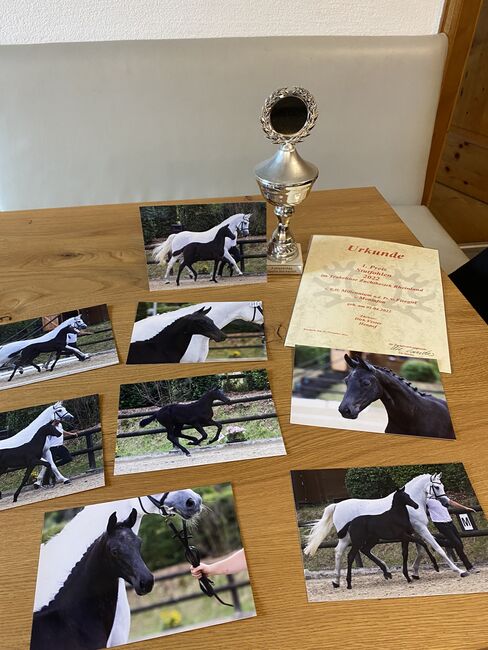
x=59, y=555
x=15, y=347
x=221, y=313
x=163, y=254
x=55, y=412
x=339, y=514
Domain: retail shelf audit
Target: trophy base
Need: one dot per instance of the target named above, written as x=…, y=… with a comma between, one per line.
x=287, y=267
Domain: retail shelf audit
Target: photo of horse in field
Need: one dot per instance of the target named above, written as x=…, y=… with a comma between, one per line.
x=199, y=245
x=196, y=421
x=56, y=345
x=360, y=391
x=368, y=520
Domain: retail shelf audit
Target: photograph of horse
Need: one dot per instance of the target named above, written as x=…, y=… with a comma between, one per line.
x=361, y=391
x=108, y=575
x=55, y=345
x=197, y=332
x=348, y=512
x=202, y=245
x=196, y=421
x=35, y=442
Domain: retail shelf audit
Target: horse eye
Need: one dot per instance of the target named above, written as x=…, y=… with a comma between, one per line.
x=115, y=552
x=366, y=382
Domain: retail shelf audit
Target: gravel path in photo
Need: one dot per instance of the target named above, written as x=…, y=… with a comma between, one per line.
x=69, y=366
x=187, y=283
x=30, y=495
x=203, y=456
x=373, y=585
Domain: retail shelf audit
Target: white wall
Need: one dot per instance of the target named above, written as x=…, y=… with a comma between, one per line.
x=48, y=21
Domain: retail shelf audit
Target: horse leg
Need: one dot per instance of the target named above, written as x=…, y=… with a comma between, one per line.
x=405, y=542
x=232, y=262
x=78, y=353
x=350, y=559
x=202, y=432
x=366, y=550
x=28, y=472
x=174, y=440
x=417, y=561
x=219, y=429
x=426, y=536
x=214, y=274
x=169, y=266
x=342, y=544
x=424, y=546
x=195, y=274
x=182, y=266
x=13, y=373
x=58, y=354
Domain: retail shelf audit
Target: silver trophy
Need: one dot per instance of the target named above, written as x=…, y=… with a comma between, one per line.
x=285, y=180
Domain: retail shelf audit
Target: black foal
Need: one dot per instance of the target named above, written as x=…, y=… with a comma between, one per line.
x=213, y=250
x=366, y=531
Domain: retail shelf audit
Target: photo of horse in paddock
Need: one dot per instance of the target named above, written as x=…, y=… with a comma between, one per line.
x=369, y=392
x=182, y=332
x=351, y=511
x=203, y=238
x=196, y=421
x=107, y=572
x=35, y=440
x=55, y=345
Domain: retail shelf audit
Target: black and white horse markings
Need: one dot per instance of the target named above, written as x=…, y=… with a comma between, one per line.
x=197, y=414
x=60, y=555
x=410, y=411
x=164, y=253
x=392, y=525
x=81, y=615
x=171, y=342
x=27, y=450
x=212, y=251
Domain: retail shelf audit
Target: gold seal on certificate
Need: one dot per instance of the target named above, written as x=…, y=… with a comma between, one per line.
x=363, y=294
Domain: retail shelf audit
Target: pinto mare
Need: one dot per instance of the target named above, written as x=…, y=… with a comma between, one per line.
x=26, y=448
x=221, y=313
x=213, y=250
x=410, y=411
x=59, y=555
x=171, y=342
x=82, y=613
x=196, y=414
x=337, y=515
x=163, y=254
x=8, y=351
x=394, y=524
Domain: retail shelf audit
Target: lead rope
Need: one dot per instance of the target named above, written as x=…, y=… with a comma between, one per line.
x=192, y=555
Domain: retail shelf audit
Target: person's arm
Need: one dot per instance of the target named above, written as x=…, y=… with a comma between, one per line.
x=455, y=504
x=70, y=434
x=232, y=564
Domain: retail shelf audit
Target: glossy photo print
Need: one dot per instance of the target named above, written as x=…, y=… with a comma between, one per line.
x=196, y=421
x=362, y=391
x=390, y=532
x=204, y=245
x=140, y=568
x=198, y=332
x=56, y=345
x=50, y=451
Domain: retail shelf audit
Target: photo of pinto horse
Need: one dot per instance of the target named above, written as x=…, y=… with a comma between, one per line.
x=369, y=392
x=189, y=244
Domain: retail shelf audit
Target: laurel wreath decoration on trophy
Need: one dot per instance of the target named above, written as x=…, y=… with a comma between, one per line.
x=271, y=101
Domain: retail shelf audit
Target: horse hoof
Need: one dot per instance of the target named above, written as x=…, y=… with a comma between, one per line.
x=349, y=586
x=436, y=568
x=66, y=481
x=418, y=577
x=36, y=486
x=464, y=574
x=388, y=576
x=336, y=585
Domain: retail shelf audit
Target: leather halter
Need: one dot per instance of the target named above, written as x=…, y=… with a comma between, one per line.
x=432, y=493
x=257, y=308
x=158, y=503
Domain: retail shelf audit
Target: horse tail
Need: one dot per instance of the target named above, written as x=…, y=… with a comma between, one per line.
x=145, y=421
x=320, y=530
x=343, y=531
x=162, y=252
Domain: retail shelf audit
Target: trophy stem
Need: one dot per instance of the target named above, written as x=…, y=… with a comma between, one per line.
x=282, y=247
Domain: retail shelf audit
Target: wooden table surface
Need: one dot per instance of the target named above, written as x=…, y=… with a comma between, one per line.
x=68, y=258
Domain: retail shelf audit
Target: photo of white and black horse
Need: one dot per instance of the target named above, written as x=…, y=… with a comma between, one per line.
x=170, y=334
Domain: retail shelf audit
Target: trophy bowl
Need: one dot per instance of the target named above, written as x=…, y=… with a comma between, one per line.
x=286, y=179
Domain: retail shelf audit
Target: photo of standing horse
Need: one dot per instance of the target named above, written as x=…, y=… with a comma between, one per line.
x=361, y=391
x=398, y=531
x=196, y=421
x=50, y=450
x=109, y=575
x=56, y=345
x=202, y=245
x=198, y=332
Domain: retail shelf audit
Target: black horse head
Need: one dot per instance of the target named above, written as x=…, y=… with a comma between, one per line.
x=363, y=388
x=200, y=323
x=123, y=549
x=401, y=497
x=218, y=394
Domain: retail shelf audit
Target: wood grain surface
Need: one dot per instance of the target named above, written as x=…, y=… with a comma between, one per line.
x=67, y=258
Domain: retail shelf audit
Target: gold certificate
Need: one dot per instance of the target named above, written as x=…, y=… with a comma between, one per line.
x=363, y=294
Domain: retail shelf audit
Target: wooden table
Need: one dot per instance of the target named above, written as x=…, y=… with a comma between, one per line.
x=63, y=259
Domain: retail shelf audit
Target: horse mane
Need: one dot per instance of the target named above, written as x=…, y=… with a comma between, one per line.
x=404, y=381
x=173, y=323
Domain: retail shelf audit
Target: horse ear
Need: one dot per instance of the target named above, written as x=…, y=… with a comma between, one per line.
x=363, y=364
x=350, y=362
x=206, y=310
x=131, y=519
x=112, y=523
